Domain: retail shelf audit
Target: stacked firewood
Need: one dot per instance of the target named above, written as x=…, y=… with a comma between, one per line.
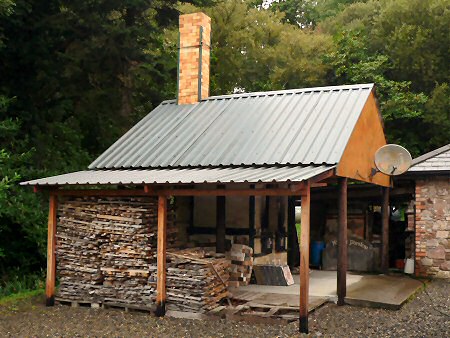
x=196, y=280
x=241, y=257
x=106, y=249
x=77, y=252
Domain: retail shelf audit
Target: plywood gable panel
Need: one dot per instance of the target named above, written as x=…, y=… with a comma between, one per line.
x=367, y=137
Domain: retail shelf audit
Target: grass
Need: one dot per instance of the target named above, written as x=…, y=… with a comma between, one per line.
x=20, y=296
x=17, y=285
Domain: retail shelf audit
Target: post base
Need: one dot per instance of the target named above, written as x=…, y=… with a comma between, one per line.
x=50, y=301
x=304, y=325
x=160, y=309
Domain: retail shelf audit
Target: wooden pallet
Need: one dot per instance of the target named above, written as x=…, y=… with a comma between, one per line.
x=79, y=303
x=105, y=305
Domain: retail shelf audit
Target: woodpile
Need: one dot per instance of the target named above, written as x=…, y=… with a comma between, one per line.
x=196, y=280
x=106, y=249
x=241, y=257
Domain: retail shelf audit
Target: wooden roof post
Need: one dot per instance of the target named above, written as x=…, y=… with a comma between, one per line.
x=342, y=242
x=304, y=257
x=220, y=223
x=251, y=219
x=385, y=230
x=161, y=257
x=51, y=246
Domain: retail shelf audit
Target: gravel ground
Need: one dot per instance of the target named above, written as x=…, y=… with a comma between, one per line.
x=418, y=318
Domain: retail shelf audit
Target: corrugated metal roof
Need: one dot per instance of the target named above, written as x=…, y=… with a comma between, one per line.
x=302, y=126
x=187, y=175
x=436, y=160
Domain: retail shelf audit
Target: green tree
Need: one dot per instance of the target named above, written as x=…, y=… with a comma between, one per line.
x=254, y=50
x=73, y=77
x=302, y=13
x=437, y=116
x=415, y=35
x=402, y=46
x=402, y=109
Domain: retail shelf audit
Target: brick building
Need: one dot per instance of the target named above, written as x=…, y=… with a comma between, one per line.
x=431, y=173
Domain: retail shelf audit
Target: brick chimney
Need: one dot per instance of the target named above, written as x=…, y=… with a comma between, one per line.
x=193, y=60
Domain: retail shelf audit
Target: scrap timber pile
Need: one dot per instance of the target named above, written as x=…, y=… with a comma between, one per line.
x=196, y=280
x=106, y=249
x=241, y=257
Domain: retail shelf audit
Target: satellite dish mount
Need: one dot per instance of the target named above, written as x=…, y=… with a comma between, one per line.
x=392, y=160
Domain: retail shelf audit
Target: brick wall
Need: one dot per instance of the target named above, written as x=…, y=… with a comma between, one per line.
x=433, y=227
x=189, y=57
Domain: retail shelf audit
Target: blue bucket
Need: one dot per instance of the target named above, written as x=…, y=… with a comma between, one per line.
x=316, y=252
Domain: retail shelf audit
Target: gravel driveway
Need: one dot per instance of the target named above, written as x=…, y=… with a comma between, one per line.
x=420, y=317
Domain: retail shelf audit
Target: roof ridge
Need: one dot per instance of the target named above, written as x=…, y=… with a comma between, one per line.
x=282, y=92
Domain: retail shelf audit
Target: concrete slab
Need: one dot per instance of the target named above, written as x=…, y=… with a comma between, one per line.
x=387, y=292
x=383, y=291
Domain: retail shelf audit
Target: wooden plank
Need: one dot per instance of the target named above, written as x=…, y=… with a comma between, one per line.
x=385, y=230
x=304, y=259
x=220, y=224
x=342, y=241
x=323, y=176
x=229, y=192
x=161, y=257
x=187, y=315
x=370, y=192
x=51, y=247
x=102, y=192
x=367, y=137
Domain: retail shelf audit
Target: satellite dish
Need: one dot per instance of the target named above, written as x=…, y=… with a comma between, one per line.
x=392, y=159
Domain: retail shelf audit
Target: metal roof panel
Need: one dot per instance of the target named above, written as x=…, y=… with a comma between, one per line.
x=272, y=174
x=436, y=160
x=301, y=126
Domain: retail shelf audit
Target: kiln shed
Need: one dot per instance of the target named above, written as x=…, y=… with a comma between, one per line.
x=108, y=239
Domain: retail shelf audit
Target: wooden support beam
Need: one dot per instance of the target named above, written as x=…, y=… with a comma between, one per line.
x=293, y=251
x=323, y=176
x=251, y=219
x=342, y=241
x=191, y=211
x=220, y=224
x=161, y=257
x=385, y=230
x=51, y=247
x=304, y=258
x=103, y=192
x=230, y=192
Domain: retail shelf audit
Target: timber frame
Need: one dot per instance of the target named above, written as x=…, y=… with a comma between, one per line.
x=302, y=190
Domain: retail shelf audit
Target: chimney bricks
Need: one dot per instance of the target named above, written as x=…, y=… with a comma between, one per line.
x=194, y=52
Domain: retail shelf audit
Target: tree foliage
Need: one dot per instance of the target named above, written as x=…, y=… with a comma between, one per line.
x=254, y=50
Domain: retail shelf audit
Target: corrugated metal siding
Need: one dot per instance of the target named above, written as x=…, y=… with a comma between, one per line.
x=193, y=175
x=438, y=160
x=305, y=126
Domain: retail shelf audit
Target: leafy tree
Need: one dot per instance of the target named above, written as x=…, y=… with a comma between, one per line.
x=414, y=34
x=302, y=13
x=402, y=46
x=253, y=50
x=401, y=108
x=437, y=116
x=307, y=13
x=22, y=236
x=73, y=76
